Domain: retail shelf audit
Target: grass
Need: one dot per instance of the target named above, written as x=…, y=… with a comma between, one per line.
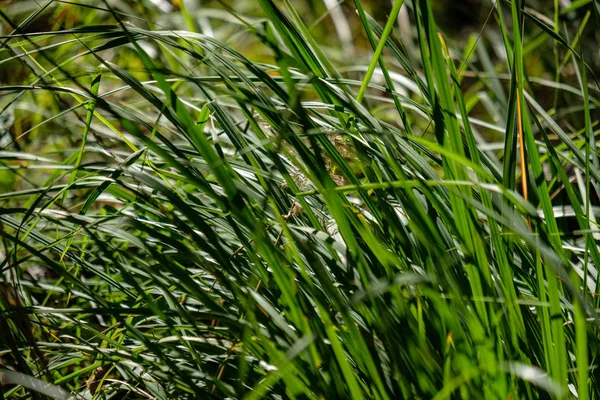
x=212, y=201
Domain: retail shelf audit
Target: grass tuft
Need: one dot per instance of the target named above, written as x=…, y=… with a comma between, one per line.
x=213, y=201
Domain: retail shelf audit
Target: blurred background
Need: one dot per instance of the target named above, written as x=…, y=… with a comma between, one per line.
x=336, y=27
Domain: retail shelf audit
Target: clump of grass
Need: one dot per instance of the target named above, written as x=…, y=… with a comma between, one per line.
x=204, y=204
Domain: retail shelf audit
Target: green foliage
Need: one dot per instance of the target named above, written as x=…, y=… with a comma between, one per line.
x=204, y=200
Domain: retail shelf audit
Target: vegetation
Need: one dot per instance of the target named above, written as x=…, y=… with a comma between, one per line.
x=299, y=199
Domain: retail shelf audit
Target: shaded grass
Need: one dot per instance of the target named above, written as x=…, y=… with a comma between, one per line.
x=179, y=221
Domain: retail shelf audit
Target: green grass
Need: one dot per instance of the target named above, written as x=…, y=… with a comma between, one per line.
x=217, y=201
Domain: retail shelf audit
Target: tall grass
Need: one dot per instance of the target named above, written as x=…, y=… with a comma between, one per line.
x=210, y=201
